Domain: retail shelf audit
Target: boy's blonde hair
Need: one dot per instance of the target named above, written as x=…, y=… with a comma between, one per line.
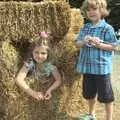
x=101, y=4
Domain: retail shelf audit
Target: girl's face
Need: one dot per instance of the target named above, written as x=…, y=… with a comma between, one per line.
x=93, y=14
x=40, y=54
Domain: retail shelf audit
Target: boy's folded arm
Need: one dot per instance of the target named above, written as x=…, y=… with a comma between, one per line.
x=105, y=46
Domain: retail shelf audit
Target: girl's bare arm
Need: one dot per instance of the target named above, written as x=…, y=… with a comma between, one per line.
x=57, y=77
x=21, y=82
x=55, y=85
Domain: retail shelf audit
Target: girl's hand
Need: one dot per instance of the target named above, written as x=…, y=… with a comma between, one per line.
x=48, y=95
x=38, y=95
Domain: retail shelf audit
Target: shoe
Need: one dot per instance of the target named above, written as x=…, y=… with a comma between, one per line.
x=86, y=117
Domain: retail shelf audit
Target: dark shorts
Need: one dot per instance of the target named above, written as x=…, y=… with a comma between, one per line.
x=99, y=85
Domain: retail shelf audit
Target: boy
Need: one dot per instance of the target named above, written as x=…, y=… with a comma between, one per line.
x=97, y=40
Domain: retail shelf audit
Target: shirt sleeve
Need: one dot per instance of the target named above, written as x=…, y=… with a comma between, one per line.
x=79, y=36
x=110, y=36
x=29, y=64
x=48, y=68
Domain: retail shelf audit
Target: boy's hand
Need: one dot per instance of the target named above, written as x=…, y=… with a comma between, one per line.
x=88, y=40
x=47, y=95
x=92, y=41
x=96, y=41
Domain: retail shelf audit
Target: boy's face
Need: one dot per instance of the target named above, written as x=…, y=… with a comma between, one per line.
x=40, y=54
x=93, y=14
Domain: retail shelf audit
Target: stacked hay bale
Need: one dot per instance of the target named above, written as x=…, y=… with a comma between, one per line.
x=25, y=19
x=71, y=101
x=20, y=24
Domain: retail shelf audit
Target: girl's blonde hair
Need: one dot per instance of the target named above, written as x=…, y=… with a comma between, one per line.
x=101, y=4
x=43, y=40
x=40, y=41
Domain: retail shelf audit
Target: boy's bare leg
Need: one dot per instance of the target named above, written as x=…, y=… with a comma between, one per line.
x=109, y=110
x=91, y=104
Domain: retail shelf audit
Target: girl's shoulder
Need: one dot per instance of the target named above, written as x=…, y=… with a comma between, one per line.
x=29, y=64
x=49, y=66
x=47, y=69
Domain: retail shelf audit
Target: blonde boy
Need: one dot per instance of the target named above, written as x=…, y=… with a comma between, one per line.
x=97, y=40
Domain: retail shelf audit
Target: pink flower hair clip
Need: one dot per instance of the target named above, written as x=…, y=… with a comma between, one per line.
x=44, y=34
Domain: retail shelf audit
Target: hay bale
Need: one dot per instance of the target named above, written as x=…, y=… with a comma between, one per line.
x=71, y=100
x=65, y=51
x=76, y=20
x=15, y=104
x=8, y=68
x=9, y=55
x=24, y=20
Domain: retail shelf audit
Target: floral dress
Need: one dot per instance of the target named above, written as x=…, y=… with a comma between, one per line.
x=40, y=72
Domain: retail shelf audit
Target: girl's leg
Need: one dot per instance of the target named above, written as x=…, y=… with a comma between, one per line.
x=109, y=110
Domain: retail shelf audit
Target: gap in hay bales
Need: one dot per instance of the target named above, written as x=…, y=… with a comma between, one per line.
x=21, y=46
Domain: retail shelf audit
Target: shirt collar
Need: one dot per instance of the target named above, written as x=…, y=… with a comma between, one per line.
x=99, y=24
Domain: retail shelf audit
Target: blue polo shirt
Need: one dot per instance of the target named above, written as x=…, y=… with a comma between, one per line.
x=93, y=60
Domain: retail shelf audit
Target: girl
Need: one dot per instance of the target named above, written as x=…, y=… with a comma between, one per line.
x=97, y=40
x=38, y=65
